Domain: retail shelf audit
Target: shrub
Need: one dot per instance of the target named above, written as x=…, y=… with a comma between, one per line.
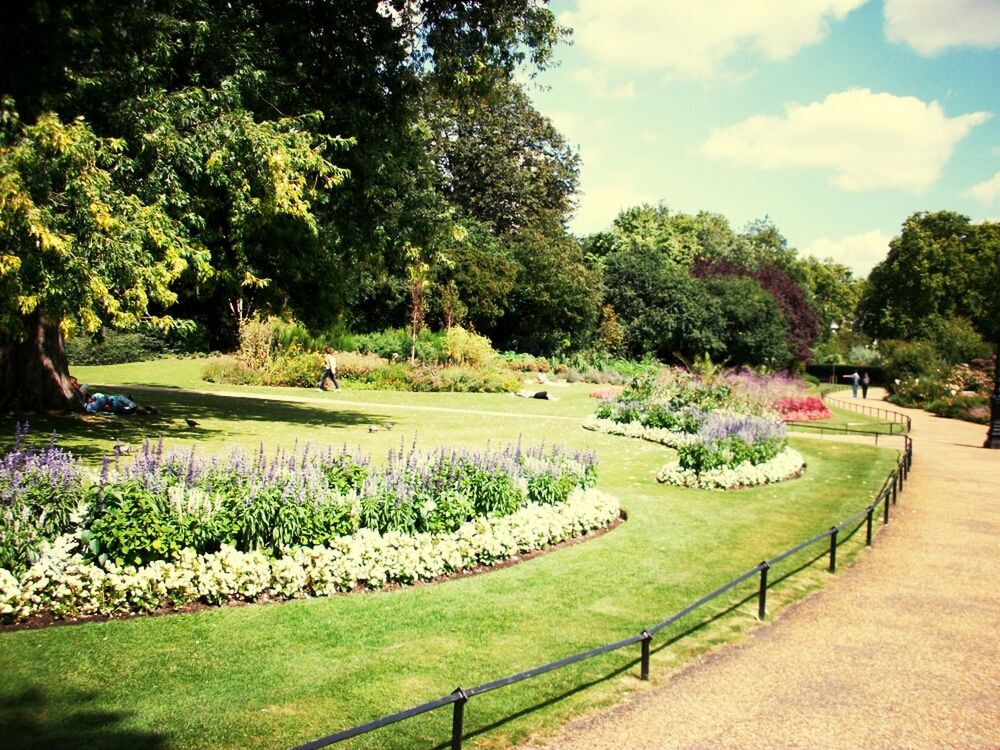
x=462, y=347
x=294, y=367
x=230, y=370
x=524, y=362
x=258, y=338
x=909, y=359
x=957, y=341
x=396, y=341
x=916, y=392
x=114, y=348
x=972, y=407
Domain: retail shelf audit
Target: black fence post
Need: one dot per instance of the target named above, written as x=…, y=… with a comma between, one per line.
x=895, y=491
x=833, y=549
x=885, y=502
x=644, y=669
x=762, y=594
x=458, y=718
x=868, y=534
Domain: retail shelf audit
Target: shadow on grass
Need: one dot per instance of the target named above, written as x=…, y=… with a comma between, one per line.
x=89, y=434
x=33, y=721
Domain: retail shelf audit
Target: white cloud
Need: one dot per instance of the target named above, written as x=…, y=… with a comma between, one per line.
x=859, y=252
x=596, y=81
x=869, y=140
x=695, y=38
x=930, y=26
x=601, y=200
x=986, y=192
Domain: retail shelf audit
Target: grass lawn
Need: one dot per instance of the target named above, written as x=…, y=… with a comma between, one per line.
x=276, y=675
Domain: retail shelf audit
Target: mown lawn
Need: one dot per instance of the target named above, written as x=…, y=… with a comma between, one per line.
x=280, y=674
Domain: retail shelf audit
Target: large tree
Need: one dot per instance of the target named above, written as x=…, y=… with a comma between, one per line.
x=226, y=120
x=941, y=266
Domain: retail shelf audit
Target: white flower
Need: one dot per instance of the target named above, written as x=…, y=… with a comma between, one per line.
x=62, y=583
x=786, y=464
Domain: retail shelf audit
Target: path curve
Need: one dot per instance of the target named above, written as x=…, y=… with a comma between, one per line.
x=901, y=651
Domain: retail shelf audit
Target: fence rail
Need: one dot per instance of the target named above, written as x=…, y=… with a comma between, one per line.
x=886, y=497
x=893, y=417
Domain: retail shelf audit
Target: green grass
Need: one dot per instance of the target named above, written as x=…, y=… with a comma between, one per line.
x=280, y=674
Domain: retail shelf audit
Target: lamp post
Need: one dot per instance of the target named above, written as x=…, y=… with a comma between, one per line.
x=993, y=434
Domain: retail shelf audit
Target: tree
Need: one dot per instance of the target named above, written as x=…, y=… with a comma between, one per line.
x=749, y=325
x=940, y=266
x=501, y=161
x=835, y=293
x=661, y=308
x=73, y=246
x=227, y=117
x=555, y=305
x=801, y=326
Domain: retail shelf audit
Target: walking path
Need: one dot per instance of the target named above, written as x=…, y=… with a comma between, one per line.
x=902, y=651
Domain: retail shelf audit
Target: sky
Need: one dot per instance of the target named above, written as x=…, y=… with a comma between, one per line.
x=837, y=119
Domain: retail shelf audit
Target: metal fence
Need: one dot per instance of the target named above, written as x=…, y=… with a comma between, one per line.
x=885, y=499
x=892, y=417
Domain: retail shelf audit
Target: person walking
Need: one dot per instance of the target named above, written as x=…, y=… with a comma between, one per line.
x=329, y=371
x=855, y=381
x=865, y=382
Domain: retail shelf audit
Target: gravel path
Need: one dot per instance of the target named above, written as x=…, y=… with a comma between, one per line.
x=901, y=651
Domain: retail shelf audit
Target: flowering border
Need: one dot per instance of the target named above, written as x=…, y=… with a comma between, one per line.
x=63, y=584
x=786, y=465
x=659, y=435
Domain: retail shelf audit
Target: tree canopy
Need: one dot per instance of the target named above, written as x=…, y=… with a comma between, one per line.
x=941, y=266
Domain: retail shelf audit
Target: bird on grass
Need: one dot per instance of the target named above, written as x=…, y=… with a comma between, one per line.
x=122, y=449
x=389, y=425
x=373, y=428
x=191, y=423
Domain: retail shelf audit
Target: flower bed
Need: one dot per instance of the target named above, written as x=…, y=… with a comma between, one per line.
x=725, y=430
x=233, y=525
x=669, y=438
x=785, y=465
x=64, y=583
x=802, y=408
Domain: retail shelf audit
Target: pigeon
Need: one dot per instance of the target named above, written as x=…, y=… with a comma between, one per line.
x=389, y=425
x=373, y=428
x=191, y=423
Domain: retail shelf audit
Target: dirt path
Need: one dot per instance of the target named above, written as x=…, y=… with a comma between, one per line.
x=902, y=651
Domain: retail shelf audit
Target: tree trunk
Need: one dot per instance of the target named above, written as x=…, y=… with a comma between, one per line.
x=34, y=371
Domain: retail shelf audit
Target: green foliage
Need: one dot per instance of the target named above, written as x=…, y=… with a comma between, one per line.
x=444, y=513
x=971, y=407
x=40, y=490
x=491, y=493
x=916, y=392
x=941, y=266
x=395, y=344
x=116, y=348
x=956, y=341
x=76, y=242
x=550, y=489
x=293, y=367
x=909, y=359
x=462, y=347
x=132, y=525
x=463, y=379
x=728, y=452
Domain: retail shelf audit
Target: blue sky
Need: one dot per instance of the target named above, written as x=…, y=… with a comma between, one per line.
x=836, y=118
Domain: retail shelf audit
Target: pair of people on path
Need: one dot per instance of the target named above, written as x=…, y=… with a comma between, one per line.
x=329, y=370
x=863, y=380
